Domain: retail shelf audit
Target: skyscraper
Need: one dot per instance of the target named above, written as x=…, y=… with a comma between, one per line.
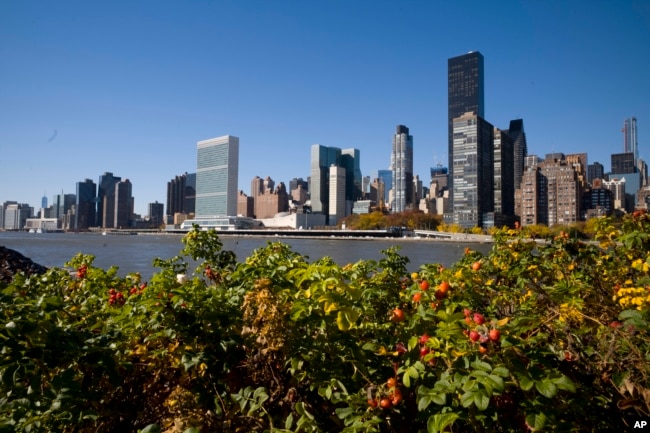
x=630, y=143
x=504, y=187
x=473, y=170
x=351, y=161
x=85, y=216
x=217, y=169
x=401, y=164
x=123, y=204
x=595, y=171
x=337, y=191
x=465, y=94
x=520, y=149
x=322, y=158
x=181, y=194
x=106, y=199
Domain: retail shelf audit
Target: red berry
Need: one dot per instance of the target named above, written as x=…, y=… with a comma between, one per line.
x=423, y=339
x=424, y=285
x=494, y=335
x=479, y=319
x=474, y=336
x=424, y=351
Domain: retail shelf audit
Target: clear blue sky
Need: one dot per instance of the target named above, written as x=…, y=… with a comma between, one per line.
x=130, y=87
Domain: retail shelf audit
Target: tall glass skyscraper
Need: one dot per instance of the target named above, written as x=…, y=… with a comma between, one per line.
x=401, y=164
x=516, y=132
x=217, y=170
x=465, y=95
x=630, y=142
x=473, y=170
x=86, y=212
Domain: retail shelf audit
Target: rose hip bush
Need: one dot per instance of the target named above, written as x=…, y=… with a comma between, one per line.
x=530, y=337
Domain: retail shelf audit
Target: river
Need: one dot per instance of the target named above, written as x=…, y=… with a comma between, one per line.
x=135, y=253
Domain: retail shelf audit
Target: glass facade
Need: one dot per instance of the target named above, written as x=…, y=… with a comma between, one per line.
x=401, y=162
x=520, y=148
x=465, y=93
x=86, y=205
x=216, y=176
x=472, y=170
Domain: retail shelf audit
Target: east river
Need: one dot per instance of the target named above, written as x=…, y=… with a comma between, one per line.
x=135, y=253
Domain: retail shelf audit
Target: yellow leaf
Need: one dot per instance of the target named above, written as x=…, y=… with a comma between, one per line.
x=502, y=322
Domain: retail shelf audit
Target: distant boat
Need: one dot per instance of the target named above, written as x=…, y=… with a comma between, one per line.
x=32, y=230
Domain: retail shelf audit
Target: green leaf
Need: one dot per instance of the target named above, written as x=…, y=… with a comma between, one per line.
x=546, y=388
x=565, y=383
x=501, y=371
x=536, y=421
x=525, y=382
x=467, y=399
x=346, y=318
x=481, y=365
x=192, y=430
x=413, y=343
x=440, y=421
x=481, y=400
x=151, y=428
x=288, y=422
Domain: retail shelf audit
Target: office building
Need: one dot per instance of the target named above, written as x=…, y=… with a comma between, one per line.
x=86, y=205
x=472, y=174
x=401, y=164
x=504, y=181
x=123, y=205
x=156, y=214
x=624, y=163
x=597, y=201
x=386, y=177
x=337, y=191
x=61, y=204
x=216, y=176
x=630, y=142
x=520, y=148
x=15, y=215
x=106, y=199
x=181, y=194
x=595, y=171
x=322, y=158
x=351, y=161
x=465, y=94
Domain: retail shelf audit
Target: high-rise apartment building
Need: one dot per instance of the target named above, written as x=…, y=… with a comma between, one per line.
x=216, y=176
x=550, y=192
x=106, y=199
x=86, y=214
x=472, y=170
x=465, y=93
x=630, y=142
x=181, y=194
x=520, y=148
x=401, y=164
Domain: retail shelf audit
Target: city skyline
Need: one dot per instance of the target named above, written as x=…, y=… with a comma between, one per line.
x=77, y=103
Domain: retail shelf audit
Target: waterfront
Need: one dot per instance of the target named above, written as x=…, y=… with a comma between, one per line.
x=135, y=253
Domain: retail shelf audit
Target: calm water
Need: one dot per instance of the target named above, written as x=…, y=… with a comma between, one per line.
x=136, y=253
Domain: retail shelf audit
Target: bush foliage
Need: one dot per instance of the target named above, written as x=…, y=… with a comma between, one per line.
x=542, y=337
